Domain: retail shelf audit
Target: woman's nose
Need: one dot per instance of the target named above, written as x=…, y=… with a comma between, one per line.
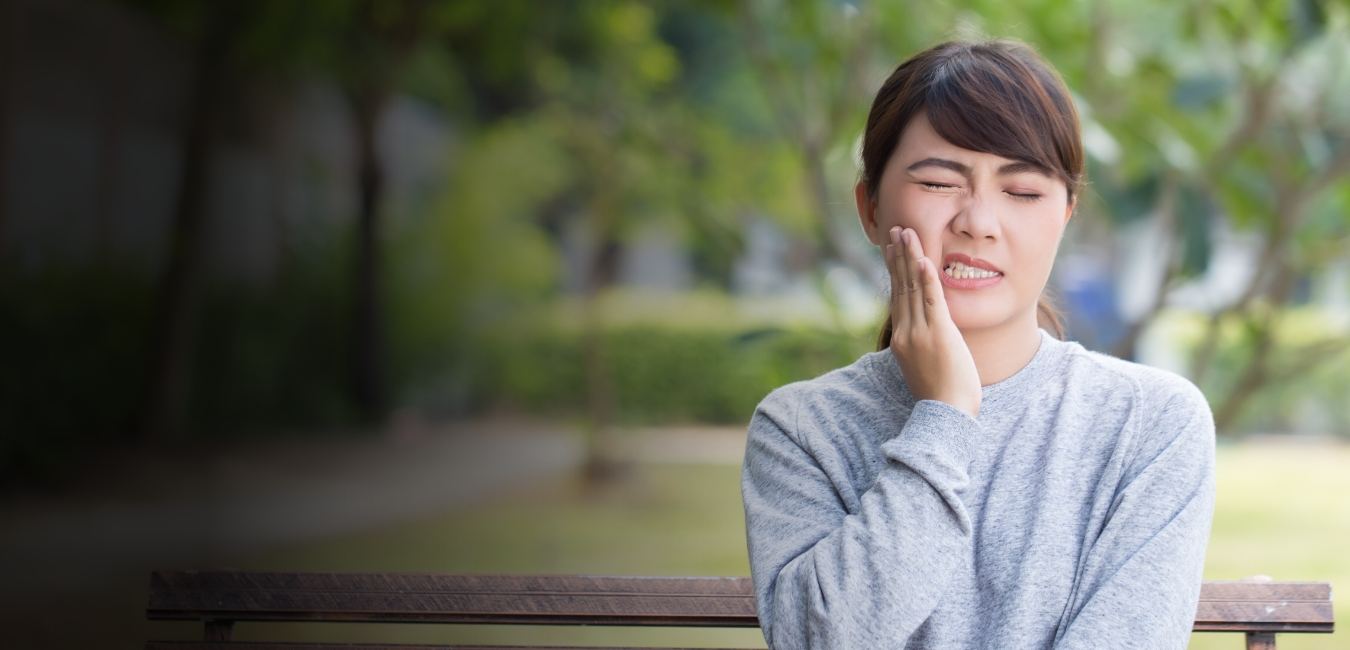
x=976, y=218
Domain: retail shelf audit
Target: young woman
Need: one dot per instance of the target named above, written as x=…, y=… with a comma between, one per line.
x=977, y=482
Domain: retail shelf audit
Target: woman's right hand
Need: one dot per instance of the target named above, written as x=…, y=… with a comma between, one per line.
x=932, y=354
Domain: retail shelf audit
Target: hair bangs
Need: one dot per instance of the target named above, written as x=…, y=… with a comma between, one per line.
x=975, y=105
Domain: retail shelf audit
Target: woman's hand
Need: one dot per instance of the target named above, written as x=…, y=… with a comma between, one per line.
x=933, y=355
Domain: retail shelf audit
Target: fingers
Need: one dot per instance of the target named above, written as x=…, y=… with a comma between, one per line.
x=931, y=303
x=917, y=296
x=915, y=292
x=891, y=271
x=900, y=311
x=927, y=303
x=934, y=301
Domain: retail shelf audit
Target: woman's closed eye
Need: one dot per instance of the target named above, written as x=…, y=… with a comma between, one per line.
x=1023, y=196
x=1017, y=195
x=936, y=186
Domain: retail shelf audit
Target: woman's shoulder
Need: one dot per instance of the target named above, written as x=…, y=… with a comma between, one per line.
x=1152, y=383
x=1163, y=400
x=846, y=389
x=856, y=380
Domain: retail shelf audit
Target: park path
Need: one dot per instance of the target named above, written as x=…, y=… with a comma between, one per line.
x=204, y=507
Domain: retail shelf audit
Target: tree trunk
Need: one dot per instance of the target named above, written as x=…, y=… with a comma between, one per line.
x=280, y=145
x=601, y=465
x=384, y=37
x=369, y=372
x=827, y=231
x=1127, y=346
x=1256, y=374
x=111, y=123
x=169, y=383
x=815, y=136
x=9, y=53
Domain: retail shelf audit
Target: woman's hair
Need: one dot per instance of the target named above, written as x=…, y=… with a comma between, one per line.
x=996, y=97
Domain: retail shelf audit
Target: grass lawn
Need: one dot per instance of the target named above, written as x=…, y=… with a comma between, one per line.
x=1281, y=512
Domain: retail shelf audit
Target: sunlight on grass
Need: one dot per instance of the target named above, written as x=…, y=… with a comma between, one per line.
x=663, y=520
x=1280, y=512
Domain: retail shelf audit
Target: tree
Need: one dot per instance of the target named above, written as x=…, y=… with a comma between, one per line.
x=9, y=20
x=1256, y=139
x=216, y=28
x=369, y=61
x=813, y=62
x=1194, y=113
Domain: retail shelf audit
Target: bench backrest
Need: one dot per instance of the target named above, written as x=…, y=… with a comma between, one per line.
x=220, y=598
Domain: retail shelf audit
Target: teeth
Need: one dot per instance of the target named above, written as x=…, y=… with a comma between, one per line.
x=962, y=272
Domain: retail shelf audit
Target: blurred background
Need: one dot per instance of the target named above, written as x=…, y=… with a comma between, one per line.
x=472, y=286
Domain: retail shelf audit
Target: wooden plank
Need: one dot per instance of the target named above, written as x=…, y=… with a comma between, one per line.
x=260, y=645
x=1264, y=607
x=440, y=598
x=602, y=600
x=1249, y=590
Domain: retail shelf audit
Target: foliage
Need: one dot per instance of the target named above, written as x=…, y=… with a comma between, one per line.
x=74, y=339
x=471, y=261
x=77, y=339
x=601, y=117
x=1302, y=397
x=661, y=374
x=267, y=357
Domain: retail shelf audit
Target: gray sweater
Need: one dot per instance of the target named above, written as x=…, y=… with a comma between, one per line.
x=1073, y=513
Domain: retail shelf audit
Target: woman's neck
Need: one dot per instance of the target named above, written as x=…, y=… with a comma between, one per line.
x=999, y=352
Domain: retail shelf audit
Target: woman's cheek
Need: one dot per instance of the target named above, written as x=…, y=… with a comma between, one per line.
x=923, y=210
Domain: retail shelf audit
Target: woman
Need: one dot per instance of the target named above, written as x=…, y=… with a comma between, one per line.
x=977, y=482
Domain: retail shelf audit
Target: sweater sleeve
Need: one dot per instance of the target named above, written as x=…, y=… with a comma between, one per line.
x=828, y=578
x=1139, y=583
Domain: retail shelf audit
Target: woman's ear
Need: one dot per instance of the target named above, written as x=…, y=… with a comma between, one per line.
x=867, y=212
x=1068, y=211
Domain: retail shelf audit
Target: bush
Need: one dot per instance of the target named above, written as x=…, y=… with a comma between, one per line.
x=275, y=357
x=77, y=344
x=659, y=374
x=74, y=342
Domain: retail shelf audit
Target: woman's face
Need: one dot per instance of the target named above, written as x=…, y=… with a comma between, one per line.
x=976, y=208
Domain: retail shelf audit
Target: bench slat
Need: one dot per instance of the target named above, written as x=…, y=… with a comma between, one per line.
x=437, y=598
x=1238, y=606
x=258, y=645
x=601, y=600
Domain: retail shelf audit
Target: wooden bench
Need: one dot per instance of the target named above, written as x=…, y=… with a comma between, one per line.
x=221, y=598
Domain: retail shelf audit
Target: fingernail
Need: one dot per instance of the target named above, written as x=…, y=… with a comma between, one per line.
x=895, y=234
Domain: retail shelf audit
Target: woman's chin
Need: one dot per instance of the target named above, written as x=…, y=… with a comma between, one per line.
x=971, y=317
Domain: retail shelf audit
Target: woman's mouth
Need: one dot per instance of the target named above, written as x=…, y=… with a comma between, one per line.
x=958, y=274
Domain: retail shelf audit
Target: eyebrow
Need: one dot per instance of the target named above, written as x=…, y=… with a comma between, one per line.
x=1015, y=167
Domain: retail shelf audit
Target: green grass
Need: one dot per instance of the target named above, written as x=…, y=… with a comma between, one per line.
x=1281, y=512
x=663, y=520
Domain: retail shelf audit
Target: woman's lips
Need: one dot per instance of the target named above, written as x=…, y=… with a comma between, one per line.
x=968, y=261
x=968, y=264
x=968, y=283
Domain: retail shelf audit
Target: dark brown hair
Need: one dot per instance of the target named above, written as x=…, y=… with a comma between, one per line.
x=995, y=97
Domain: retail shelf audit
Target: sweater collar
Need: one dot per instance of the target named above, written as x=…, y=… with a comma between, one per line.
x=884, y=368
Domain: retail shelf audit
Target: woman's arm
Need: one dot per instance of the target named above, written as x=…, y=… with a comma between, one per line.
x=828, y=578
x=1139, y=583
